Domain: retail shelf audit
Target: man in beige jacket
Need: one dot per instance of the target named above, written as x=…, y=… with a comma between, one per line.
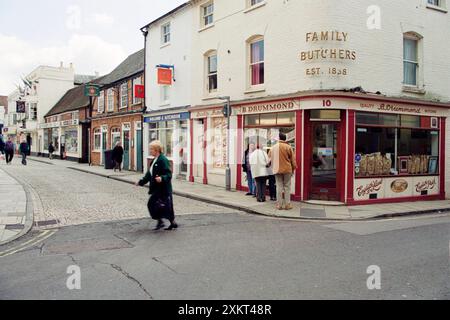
x=284, y=164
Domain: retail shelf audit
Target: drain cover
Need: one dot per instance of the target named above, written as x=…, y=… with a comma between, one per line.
x=46, y=223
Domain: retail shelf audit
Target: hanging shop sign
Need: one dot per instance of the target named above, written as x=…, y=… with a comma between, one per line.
x=139, y=91
x=20, y=107
x=92, y=90
x=166, y=74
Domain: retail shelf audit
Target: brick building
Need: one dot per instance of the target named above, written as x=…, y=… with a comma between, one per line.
x=117, y=114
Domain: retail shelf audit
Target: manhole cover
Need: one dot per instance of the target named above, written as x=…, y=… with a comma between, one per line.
x=77, y=246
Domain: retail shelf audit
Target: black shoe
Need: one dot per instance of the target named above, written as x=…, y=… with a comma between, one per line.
x=173, y=226
x=159, y=226
x=249, y=194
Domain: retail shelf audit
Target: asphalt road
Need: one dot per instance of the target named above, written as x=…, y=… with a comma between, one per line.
x=234, y=256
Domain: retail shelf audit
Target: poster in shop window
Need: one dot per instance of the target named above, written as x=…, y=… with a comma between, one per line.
x=219, y=143
x=71, y=141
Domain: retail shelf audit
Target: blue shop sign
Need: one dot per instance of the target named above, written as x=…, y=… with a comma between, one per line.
x=168, y=117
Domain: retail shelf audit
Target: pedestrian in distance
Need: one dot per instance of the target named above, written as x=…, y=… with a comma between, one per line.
x=2, y=148
x=284, y=164
x=117, y=157
x=259, y=161
x=23, y=149
x=248, y=170
x=159, y=176
x=51, y=150
x=9, y=151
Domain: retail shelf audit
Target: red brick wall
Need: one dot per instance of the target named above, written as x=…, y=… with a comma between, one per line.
x=112, y=123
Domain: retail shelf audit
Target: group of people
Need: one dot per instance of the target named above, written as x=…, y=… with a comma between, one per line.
x=7, y=150
x=277, y=167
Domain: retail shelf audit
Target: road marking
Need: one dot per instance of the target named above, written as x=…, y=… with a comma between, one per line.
x=42, y=237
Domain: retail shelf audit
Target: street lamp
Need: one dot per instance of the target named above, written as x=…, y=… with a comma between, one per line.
x=227, y=114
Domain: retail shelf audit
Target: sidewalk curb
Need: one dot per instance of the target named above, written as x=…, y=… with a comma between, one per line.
x=255, y=212
x=29, y=218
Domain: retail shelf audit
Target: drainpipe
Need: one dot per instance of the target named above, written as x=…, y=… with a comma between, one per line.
x=144, y=31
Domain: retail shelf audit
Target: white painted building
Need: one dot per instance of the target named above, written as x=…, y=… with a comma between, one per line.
x=169, y=47
x=337, y=69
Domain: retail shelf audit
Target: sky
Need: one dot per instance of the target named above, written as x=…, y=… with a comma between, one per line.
x=94, y=35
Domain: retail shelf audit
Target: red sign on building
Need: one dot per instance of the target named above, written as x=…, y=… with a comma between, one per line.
x=165, y=76
x=139, y=91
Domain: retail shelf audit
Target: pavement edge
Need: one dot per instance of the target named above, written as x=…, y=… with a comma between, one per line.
x=29, y=221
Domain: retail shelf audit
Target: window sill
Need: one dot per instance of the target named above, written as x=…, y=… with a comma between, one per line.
x=210, y=97
x=164, y=105
x=255, y=90
x=437, y=8
x=206, y=28
x=256, y=6
x=413, y=89
x=164, y=45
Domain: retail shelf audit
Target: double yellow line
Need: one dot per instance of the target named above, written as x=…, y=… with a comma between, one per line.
x=36, y=240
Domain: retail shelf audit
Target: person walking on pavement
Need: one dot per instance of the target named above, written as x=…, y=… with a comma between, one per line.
x=284, y=164
x=51, y=150
x=259, y=161
x=117, y=156
x=9, y=151
x=272, y=185
x=248, y=170
x=23, y=149
x=159, y=176
x=2, y=148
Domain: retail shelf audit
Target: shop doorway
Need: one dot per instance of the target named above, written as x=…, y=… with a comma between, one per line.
x=324, y=157
x=126, y=147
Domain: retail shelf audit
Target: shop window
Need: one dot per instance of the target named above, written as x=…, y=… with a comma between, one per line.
x=268, y=119
x=385, y=149
x=252, y=120
x=71, y=136
x=286, y=118
x=164, y=132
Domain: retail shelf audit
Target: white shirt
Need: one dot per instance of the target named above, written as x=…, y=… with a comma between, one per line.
x=153, y=164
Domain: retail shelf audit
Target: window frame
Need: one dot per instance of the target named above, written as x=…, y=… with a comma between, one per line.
x=205, y=15
x=122, y=95
x=101, y=102
x=210, y=74
x=98, y=132
x=250, y=63
x=166, y=34
x=110, y=100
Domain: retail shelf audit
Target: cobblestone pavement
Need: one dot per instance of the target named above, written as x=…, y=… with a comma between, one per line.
x=69, y=197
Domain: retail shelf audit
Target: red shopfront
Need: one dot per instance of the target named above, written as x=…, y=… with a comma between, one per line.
x=351, y=149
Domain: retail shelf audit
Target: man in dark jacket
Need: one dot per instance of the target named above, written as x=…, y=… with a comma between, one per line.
x=2, y=146
x=23, y=149
x=159, y=175
x=117, y=156
x=9, y=151
x=248, y=171
x=51, y=150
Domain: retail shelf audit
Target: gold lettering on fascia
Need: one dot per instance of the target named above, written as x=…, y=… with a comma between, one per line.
x=270, y=107
x=386, y=107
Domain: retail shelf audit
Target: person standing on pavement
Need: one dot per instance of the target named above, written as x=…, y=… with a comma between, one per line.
x=51, y=150
x=117, y=156
x=9, y=151
x=284, y=164
x=23, y=149
x=159, y=176
x=259, y=161
x=2, y=147
x=248, y=170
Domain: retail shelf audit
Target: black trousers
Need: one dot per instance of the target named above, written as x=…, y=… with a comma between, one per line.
x=9, y=156
x=118, y=165
x=24, y=158
x=261, y=188
x=272, y=187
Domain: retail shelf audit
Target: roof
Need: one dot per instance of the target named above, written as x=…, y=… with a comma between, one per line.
x=167, y=14
x=132, y=65
x=73, y=100
x=83, y=78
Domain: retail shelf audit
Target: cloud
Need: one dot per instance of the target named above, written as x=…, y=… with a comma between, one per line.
x=103, y=19
x=89, y=53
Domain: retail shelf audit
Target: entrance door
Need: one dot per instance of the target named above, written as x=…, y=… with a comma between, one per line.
x=324, y=161
x=126, y=148
x=104, y=141
x=139, y=153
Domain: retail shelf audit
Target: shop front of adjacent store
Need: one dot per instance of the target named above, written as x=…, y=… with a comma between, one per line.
x=350, y=149
x=66, y=137
x=172, y=130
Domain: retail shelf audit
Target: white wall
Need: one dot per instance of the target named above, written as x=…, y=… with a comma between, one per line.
x=284, y=24
x=177, y=53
